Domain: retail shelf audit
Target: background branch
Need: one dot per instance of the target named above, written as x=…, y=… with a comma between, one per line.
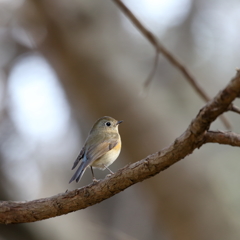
x=170, y=57
x=161, y=49
x=194, y=137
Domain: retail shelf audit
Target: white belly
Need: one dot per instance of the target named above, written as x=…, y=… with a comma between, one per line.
x=107, y=159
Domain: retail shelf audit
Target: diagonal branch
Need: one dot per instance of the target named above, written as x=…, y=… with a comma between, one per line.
x=161, y=49
x=194, y=137
x=170, y=57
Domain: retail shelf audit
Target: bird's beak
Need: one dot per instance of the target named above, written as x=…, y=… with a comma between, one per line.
x=119, y=122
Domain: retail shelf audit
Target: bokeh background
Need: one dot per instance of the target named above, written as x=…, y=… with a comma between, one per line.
x=65, y=63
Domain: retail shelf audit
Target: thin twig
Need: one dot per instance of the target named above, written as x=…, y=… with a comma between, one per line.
x=234, y=108
x=173, y=60
x=152, y=73
x=228, y=138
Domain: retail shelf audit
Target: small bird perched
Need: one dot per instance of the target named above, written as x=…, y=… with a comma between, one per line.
x=101, y=149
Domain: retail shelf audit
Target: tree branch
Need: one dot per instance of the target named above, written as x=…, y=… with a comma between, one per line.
x=234, y=108
x=161, y=49
x=194, y=137
x=228, y=138
x=170, y=57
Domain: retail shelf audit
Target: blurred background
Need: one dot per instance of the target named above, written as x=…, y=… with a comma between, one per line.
x=64, y=64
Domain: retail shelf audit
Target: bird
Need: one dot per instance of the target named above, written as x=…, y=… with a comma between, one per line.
x=102, y=147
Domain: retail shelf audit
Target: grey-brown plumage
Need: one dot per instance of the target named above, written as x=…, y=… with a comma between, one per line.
x=101, y=148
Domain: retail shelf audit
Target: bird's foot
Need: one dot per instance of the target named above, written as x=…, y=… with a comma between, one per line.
x=109, y=175
x=95, y=180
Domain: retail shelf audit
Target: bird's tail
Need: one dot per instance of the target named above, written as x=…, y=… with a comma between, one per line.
x=78, y=174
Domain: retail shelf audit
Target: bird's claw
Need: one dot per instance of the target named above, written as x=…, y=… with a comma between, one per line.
x=95, y=180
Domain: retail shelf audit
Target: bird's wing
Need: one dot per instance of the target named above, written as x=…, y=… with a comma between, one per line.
x=80, y=156
x=98, y=149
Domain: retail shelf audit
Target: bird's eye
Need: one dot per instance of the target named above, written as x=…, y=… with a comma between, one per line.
x=108, y=124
